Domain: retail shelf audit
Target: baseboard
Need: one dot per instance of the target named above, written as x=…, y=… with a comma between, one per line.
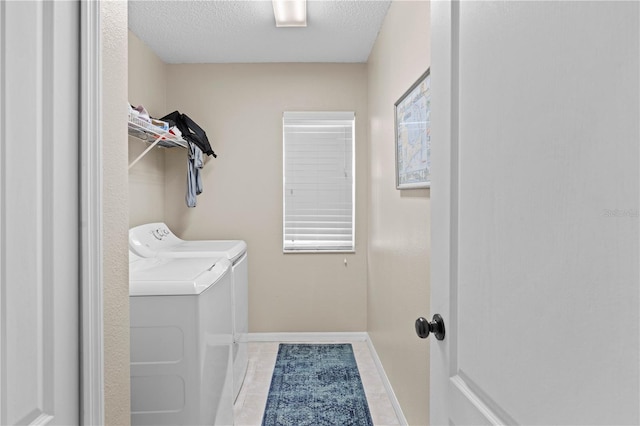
x=337, y=337
x=387, y=384
x=358, y=336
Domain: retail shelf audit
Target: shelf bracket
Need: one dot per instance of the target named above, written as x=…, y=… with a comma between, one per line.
x=149, y=148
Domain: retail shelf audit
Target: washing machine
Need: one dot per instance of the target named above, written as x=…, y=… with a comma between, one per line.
x=181, y=341
x=155, y=240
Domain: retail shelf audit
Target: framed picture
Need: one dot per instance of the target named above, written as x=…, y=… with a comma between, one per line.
x=413, y=135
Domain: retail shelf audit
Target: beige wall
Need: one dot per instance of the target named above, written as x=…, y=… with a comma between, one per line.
x=240, y=106
x=399, y=222
x=147, y=86
x=115, y=212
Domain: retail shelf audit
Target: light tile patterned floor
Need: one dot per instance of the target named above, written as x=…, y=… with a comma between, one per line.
x=252, y=399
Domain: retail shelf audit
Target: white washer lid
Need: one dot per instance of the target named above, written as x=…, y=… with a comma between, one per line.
x=156, y=239
x=164, y=277
x=231, y=249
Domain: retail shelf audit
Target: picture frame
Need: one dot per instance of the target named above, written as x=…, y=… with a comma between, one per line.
x=412, y=119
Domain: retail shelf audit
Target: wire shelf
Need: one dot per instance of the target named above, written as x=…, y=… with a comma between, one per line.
x=157, y=136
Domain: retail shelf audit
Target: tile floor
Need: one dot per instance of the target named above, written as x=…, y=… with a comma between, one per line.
x=252, y=399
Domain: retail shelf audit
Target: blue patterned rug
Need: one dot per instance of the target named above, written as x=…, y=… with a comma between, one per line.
x=316, y=385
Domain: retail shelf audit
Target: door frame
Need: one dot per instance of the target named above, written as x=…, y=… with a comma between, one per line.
x=90, y=226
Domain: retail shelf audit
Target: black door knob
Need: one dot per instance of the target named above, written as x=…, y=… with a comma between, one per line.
x=424, y=327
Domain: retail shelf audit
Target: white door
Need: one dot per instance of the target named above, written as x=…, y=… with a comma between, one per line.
x=535, y=198
x=39, y=368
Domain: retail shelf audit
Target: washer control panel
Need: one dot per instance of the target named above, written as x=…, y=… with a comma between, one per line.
x=160, y=233
x=145, y=240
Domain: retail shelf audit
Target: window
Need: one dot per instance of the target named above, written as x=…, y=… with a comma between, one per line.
x=319, y=188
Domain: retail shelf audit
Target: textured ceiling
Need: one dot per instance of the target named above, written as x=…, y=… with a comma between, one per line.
x=227, y=31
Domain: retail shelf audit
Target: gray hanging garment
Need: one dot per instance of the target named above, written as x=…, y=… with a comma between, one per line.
x=194, y=180
x=199, y=165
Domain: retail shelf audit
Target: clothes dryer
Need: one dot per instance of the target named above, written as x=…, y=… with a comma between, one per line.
x=155, y=240
x=181, y=341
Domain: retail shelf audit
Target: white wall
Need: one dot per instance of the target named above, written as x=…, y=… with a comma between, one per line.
x=115, y=212
x=399, y=221
x=240, y=106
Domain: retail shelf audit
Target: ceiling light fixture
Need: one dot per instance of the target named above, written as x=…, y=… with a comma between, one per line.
x=290, y=13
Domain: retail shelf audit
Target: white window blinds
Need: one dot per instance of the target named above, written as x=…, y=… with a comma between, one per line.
x=318, y=181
